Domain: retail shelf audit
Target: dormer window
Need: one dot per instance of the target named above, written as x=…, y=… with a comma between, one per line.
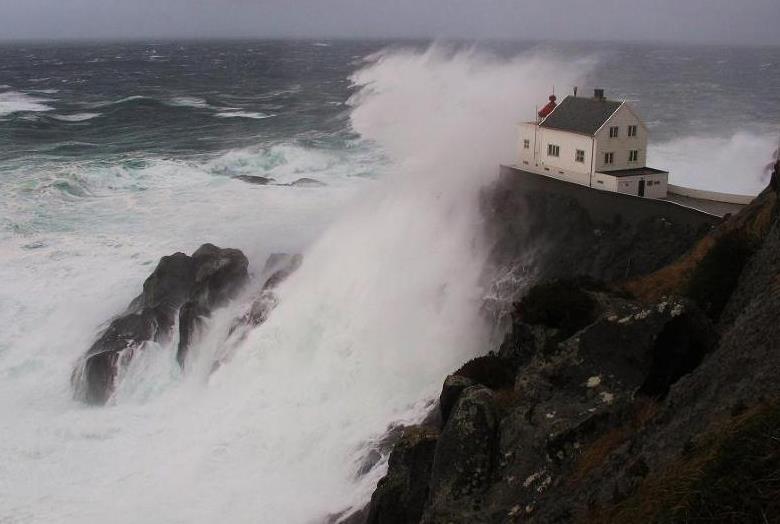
x=553, y=150
x=631, y=130
x=614, y=132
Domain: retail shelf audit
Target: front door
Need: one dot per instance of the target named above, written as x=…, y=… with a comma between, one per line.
x=641, y=188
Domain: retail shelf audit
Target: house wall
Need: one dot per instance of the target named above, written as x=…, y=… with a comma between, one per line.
x=621, y=145
x=564, y=166
x=655, y=185
x=526, y=131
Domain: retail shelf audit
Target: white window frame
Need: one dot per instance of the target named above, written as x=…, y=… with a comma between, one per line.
x=632, y=131
x=614, y=131
x=609, y=158
x=633, y=155
x=579, y=155
x=526, y=143
x=553, y=150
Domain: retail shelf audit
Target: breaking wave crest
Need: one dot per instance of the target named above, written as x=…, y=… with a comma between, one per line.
x=385, y=304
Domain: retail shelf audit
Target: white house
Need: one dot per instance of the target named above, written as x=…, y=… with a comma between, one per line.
x=594, y=142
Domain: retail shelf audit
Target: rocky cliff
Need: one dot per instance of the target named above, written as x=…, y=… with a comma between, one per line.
x=636, y=381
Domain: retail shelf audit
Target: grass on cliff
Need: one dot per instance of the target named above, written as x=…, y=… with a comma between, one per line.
x=729, y=475
x=716, y=276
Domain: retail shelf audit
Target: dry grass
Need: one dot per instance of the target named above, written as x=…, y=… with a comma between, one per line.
x=596, y=453
x=752, y=223
x=732, y=474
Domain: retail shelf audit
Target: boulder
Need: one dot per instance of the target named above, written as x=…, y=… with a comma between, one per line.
x=306, y=182
x=179, y=284
x=464, y=459
x=219, y=275
x=254, y=179
x=400, y=496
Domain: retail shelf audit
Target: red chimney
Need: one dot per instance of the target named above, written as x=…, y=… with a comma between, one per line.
x=546, y=110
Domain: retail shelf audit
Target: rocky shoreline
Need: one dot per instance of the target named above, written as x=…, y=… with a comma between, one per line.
x=635, y=378
x=646, y=394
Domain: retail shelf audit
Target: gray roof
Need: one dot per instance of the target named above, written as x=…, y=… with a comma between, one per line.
x=580, y=114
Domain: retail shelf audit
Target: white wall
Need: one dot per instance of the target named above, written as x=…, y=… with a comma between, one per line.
x=526, y=131
x=621, y=145
x=655, y=185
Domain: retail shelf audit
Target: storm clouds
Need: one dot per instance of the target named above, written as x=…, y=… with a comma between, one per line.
x=701, y=21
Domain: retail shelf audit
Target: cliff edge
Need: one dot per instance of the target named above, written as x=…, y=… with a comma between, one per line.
x=636, y=380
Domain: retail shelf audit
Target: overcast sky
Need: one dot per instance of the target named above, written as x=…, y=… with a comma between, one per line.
x=711, y=21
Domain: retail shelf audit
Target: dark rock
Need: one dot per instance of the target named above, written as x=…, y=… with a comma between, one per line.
x=307, y=182
x=450, y=393
x=254, y=179
x=490, y=370
x=192, y=285
x=400, y=496
x=219, y=275
x=465, y=458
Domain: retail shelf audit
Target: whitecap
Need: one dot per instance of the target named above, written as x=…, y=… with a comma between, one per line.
x=16, y=102
x=245, y=114
x=189, y=101
x=76, y=117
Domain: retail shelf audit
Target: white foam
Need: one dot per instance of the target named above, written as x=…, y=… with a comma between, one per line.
x=732, y=164
x=76, y=117
x=189, y=101
x=15, y=102
x=244, y=114
x=384, y=306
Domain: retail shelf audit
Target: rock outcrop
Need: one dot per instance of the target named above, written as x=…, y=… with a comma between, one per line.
x=181, y=287
x=650, y=398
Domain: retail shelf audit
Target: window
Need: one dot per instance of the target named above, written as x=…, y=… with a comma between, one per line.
x=600, y=182
x=609, y=158
x=633, y=155
x=614, y=131
x=579, y=156
x=553, y=150
x=526, y=144
x=631, y=130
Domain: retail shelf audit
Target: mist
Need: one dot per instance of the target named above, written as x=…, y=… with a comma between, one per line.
x=699, y=21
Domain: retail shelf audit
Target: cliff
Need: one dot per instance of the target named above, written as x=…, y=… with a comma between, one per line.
x=636, y=380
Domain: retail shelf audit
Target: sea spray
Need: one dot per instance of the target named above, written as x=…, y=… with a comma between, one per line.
x=731, y=164
x=385, y=304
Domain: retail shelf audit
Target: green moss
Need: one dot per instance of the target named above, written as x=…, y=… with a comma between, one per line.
x=715, y=277
x=559, y=304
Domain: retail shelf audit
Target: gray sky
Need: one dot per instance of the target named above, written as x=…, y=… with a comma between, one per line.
x=726, y=21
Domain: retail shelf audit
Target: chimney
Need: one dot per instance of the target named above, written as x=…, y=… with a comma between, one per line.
x=575, y=90
x=598, y=94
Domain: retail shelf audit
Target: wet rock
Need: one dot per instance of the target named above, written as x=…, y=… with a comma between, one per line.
x=400, y=496
x=254, y=179
x=465, y=457
x=219, y=275
x=307, y=182
x=180, y=283
x=450, y=393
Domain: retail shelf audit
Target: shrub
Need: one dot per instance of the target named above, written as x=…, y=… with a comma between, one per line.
x=491, y=371
x=559, y=304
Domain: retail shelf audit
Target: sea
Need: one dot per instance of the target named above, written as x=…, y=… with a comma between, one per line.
x=114, y=154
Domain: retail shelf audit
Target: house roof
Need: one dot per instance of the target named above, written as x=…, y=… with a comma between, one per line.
x=580, y=114
x=634, y=171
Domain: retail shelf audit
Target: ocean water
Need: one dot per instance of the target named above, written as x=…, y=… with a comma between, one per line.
x=113, y=155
